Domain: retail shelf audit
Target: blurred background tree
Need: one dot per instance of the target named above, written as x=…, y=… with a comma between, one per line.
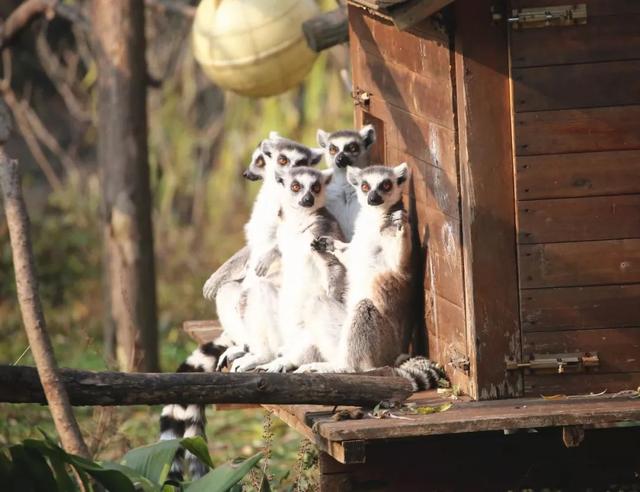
x=200, y=138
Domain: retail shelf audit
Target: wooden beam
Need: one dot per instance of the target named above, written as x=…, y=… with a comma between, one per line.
x=326, y=30
x=19, y=384
x=481, y=65
x=408, y=15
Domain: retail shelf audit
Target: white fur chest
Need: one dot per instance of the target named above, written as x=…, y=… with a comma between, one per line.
x=343, y=204
x=365, y=256
x=261, y=229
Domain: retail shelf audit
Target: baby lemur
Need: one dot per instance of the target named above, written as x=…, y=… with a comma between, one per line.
x=375, y=326
x=345, y=148
x=310, y=282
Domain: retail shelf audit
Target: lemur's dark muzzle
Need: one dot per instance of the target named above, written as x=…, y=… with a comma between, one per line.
x=250, y=176
x=374, y=198
x=342, y=160
x=307, y=200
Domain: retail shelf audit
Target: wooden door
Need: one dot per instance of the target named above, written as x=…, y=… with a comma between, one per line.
x=576, y=103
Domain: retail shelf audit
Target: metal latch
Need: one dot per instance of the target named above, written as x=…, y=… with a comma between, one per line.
x=560, y=363
x=361, y=97
x=561, y=15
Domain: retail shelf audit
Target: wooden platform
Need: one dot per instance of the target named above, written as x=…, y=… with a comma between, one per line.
x=345, y=440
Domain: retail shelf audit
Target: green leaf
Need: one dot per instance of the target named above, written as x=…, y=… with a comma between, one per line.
x=139, y=482
x=221, y=479
x=264, y=484
x=428, y=410
x=57, y=458
x=198, y=447
x=30, y=470
x=152, y=461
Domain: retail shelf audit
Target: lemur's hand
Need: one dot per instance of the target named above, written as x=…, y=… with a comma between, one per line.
x=323, y=244
x=262, y=267
x=400, y=219
x=209, y=288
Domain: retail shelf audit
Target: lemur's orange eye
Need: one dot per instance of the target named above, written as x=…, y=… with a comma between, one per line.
x=316, y=188
x=283, y=160
x=295, y=187
x=365, y=187
x=386, y=185
x=260, y=161
x=333, y=150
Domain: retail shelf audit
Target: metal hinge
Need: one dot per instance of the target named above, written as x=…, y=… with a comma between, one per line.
x=560, y=363
x=561, y=15
x=361, y=97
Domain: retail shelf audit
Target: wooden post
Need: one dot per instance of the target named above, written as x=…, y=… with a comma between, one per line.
x=29, y=300
x=21, y=385
x=123, y=158
x=326, y=30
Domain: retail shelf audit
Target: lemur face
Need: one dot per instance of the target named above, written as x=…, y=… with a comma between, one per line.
x=304, y=187
x=256, y=169
x=281, y=154
x=379, y=186
x=347, y=147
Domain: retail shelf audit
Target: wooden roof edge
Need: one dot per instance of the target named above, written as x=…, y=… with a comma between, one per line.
x=404, y=14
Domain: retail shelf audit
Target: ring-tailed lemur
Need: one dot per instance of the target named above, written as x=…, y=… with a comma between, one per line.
x=236, y=307
x=309, y=280
x=376, y=321
x=345, y=148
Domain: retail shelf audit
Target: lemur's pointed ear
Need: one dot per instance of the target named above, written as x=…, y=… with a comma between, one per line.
x=402, y=172
x=316, y=156
x=266, y=147
x=353, y=175
x=279, y=177
x=323, y=138
x=327, y=174
x=368, y=134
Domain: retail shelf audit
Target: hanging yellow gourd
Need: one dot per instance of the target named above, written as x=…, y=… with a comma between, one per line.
x=253, y=47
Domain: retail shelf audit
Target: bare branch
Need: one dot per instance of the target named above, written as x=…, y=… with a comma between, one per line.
x=29, y=299
x=29, y=10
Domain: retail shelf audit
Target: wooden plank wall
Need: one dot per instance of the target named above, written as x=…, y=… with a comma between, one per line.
x=409, y=77
x=576, y=94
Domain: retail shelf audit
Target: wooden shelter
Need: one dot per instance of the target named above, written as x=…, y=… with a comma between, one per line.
x=521, y=122
x=522, y=126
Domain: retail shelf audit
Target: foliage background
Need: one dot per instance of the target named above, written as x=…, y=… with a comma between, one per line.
x=200, y=139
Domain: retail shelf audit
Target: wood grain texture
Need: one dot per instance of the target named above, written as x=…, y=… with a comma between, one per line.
x=580, y=263
x=578, y=130
x=423, y=50
x=577, y=308
x=578, y=384
x=603, y=38
x=595, y=8
x=491, y=416
x=618, y=348
x=19, y=384
x=589, y=85
x=579, y=219
x=577, y=175
x=487, y=192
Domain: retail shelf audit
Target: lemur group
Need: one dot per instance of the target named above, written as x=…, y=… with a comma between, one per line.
x=324, y=282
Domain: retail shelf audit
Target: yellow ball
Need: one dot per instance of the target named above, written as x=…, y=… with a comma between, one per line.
x=253, y=47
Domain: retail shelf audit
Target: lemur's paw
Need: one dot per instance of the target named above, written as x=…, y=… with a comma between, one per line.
x=244, y=364
x=208, y=289
x=229, y=355
x=277, y=365
x=261, y=269
x=317, y=367
x=400, y=219
x=323, y=244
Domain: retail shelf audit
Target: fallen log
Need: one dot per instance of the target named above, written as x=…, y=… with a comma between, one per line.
x=20, y=384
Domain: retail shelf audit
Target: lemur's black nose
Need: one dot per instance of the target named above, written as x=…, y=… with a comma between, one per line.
x=307, y=200
x=342, y=160
x=374, y=198
x=250, y=176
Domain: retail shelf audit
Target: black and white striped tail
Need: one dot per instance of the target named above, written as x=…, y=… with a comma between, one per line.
x=178, y=421
x=423, y=373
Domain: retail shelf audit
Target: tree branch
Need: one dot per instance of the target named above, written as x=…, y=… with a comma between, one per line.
x=29, y=299
x=19, y=384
